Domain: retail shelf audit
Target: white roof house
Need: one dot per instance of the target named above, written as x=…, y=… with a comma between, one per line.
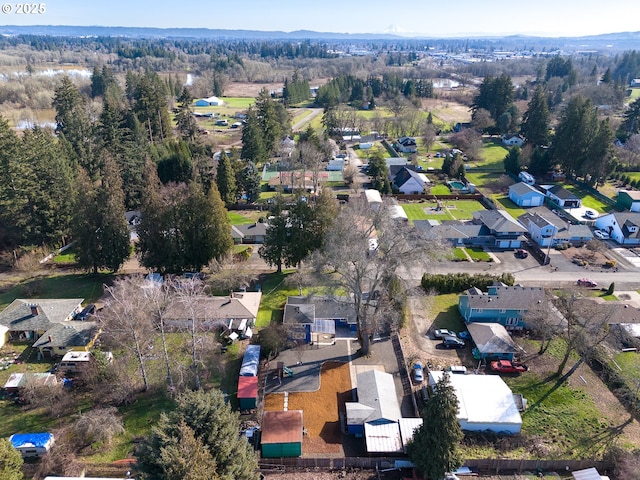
x=485, y=402
x=396, y=212
x=374, y=199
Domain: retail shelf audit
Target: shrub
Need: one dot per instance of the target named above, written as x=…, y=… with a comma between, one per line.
x=611, y=288
x=459, y=282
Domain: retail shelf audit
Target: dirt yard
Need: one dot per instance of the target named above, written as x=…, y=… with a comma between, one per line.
x=321, y=408
x=593, y=258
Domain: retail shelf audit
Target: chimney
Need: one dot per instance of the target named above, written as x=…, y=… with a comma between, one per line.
x=35, y=311
x=50, y=339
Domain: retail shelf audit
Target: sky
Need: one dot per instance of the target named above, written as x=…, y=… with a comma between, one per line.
x=441, y=18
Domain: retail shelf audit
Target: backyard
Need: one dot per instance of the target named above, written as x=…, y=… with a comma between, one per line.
x=321, y=408
x=448, y=210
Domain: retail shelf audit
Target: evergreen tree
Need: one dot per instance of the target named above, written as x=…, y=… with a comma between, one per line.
x=12, y=172
x=148, y=95
x=225, y=179
x=181, y=229
x=174, y=161
x=99, y=226
x=536, y=121
x=435, y=448
x=10, y=461
x=253, y=145
x=577, y=127
x=273, y=119
x=185, y=123
x=66, y=100
x=251, y=182
x=513, y=160
x=273, y=250
x=631, y=123
x=540, y=162
x=495, y=94
x=203, y=421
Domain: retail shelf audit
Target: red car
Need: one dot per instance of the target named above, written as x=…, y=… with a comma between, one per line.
x=507, y=366
x=585, y=282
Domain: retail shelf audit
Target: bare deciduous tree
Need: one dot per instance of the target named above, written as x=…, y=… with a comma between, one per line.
x=125, y=320
x=364, y=252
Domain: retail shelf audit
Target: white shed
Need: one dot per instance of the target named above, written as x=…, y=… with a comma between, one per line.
x=485, y=402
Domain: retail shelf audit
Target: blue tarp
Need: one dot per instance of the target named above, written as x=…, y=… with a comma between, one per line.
x=250, y=361
x=27, y=439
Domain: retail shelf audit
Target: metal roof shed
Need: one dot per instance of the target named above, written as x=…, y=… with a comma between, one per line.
x=282, y=434
x=247, y=392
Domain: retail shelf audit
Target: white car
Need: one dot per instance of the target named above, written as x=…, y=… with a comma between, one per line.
x=600, y=234
x=590, y=214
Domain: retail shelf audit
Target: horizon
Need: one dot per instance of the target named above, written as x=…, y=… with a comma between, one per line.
x=416, y=18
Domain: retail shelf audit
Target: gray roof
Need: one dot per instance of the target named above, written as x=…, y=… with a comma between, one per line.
x=69, y=334
x=18, y=316
x=326, y=308
x=255, y=229
x=377, y=390
x=632, y=194
x=448, y=230
x=491, y=338
x=238, y=305
x=536, y=219
x=499, y=221
x=297, y=313
x=522, y=188
x=516, y=297
x=561, y=193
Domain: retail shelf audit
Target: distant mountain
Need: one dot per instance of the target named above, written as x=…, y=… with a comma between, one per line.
x=617, y=41
x=200, y=33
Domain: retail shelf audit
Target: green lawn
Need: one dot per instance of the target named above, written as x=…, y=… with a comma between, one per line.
x=635, y=93
x=505, y=203
x=477, y=254
x=274, y=296
x=440, y=189
x=65, y=259
x=244, y=217
x=87, y=286
x=481, y=179
x=444, y=310
x=493, y=154
x=455, y=210
x=588, y=200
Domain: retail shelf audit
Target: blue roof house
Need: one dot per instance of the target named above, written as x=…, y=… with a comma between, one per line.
x=525, y=195
x=501, y=304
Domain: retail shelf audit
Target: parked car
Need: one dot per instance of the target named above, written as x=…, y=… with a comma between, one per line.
x=443, y=332
x=507, y=366
x=600, y=234
x=452, y=342
x=590, y=214
x=585, y=282
x=521, y=253
x=418, y=373
x=86, y=312
x=464, y=335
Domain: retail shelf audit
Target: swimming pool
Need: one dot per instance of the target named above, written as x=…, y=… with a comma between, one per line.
x=455, y=185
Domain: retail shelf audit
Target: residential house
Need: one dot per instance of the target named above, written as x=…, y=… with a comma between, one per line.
x=396, y=161
x=455, y=232
x=335, y=165
x=236, y=312
x=485, y=402
x=635, y=82
x=396, y=212
x=501, y=304
x=287, y=146
x=377, y=402
x=623, y=227
x=525, y=195
x=629, y=200
x=510, y=140
x=29, y=319
x=560, y=196
x=249, y=233
x=209, y=102
x=409, y=181
x=62, y=337
x=492, y=340
x=407, y=145
x=17, y=381
x=546, y=228
x=501, y=229
x=315, y=319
